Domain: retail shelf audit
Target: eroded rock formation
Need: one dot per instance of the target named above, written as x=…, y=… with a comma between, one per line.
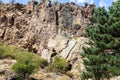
x=30, y=26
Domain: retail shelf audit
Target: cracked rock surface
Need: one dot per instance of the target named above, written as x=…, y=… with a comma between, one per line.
x=30, y=26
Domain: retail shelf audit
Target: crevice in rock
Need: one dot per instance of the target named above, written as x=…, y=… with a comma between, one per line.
x=31, y=49
x=56, y=13
x=57, y=22
x=71, y=49
x=54, y=53
x=3, y=35
x=2, y=72
x=34, y=50
x=12, y=21
x=69, y=67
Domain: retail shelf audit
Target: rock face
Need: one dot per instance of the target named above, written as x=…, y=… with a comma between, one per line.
x=71, y=52
x=31, y=26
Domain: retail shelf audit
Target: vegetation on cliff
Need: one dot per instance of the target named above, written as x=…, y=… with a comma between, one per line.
x=59, y=65
x=102, y=59
x=27, y=62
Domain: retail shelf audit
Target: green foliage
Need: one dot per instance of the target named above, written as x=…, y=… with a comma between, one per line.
x=26, y=64
x=59, y=65
x=6, y=51
x=102, y=59
x=100, y=16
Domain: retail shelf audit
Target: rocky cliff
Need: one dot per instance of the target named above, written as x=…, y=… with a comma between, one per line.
x=30, y=26
x=47, y=29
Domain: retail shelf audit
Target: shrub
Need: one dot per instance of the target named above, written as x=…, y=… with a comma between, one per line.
x=59, y=65
x=6, y=51
x=26, y=64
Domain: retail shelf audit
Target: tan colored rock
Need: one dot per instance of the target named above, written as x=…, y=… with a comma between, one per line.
x=5, y=68
x=58, y=43
x=63, y=78
x=41, y=74
x=32, y=25
x=46, y=55
x=115, y=78
x=65, y=52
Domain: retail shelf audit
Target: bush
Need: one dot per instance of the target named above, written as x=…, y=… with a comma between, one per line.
x=26, y=64
x=59, y=65
x=6, y=51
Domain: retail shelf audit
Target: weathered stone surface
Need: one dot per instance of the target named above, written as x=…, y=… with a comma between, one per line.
x=42, y=75
x=31, y=26
x=115, y=78
x=46, y=55
x=5, y=69
x=65, y=52
x=58, y=43
x=71, y=52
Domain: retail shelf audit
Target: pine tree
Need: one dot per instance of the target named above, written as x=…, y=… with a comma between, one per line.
x=102, y=59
